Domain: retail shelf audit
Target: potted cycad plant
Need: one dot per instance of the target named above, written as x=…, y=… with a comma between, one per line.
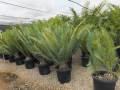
x=44, y=68
x=102, y=59
x=111, y=22
x=4, y=53
x=83, y=44
x=34, y=49
x=1, y=55
x=59, y=44
x=8, y=47
x=23, y=44
x=18, y=43
x=37, y=49
x=114, y=25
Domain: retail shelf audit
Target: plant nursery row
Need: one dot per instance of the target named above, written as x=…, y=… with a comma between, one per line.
x=53, y=42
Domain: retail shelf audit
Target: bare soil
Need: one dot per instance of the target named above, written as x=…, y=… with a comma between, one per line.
x=10, y=81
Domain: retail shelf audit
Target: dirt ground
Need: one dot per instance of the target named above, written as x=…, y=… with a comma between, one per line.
x=13, y=77
x=10, y=81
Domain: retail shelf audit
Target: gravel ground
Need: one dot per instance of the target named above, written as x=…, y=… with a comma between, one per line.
x=80, y=78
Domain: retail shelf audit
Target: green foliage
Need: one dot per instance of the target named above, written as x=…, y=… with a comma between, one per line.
x=18, y=42
x=84, y=33
x=58, y=38
x=59, y=44
x=94, y=15
x=6, y=45
x=113, y=22
x=33, y=30
x=76, y=19
x=102, y=50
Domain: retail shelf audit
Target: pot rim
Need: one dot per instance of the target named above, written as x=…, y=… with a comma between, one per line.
x=18, y=57
x=42, y=64
x=105, y=81
x=28, y=60
x=10, y=56
x=84, y=57
x=69, y=69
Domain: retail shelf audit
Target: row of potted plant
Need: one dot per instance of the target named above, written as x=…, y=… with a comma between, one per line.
x=103, y=15
x=55, y=44
x=56, y=40
x=58, y=45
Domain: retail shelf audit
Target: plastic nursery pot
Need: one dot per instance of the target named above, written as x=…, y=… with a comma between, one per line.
x=44, y=69
x=104, y=84
x=1, y=56
x=84, y=54
x=49, y=62
x=35, y=60
x=118, y=52
x=116, y=67
x=11, y=59
x=29, y=64
x=22, y=57
x=69, y=63
x=19, y=61
x=85, y=60
x=64, y=76
x=6, y=57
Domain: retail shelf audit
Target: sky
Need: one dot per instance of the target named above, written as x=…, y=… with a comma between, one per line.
x=20, y=10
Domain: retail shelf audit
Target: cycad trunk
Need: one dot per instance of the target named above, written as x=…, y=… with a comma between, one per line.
x=28, y=58
x=42, y=61
x=63, y=66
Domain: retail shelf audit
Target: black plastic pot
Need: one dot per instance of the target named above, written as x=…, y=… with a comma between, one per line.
x=115, y=68
x=19, y=61
x=64, y=76
x=118, y=52
x=84, y=54
x=35, y=60
x=22, y=57
x=49, y=62
x=85, y=61
x=1, y=56
x=104, y=84
x=11, y=59
x=6, y=57
x=44, y=69
x=29, y=64
x=69, y=63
